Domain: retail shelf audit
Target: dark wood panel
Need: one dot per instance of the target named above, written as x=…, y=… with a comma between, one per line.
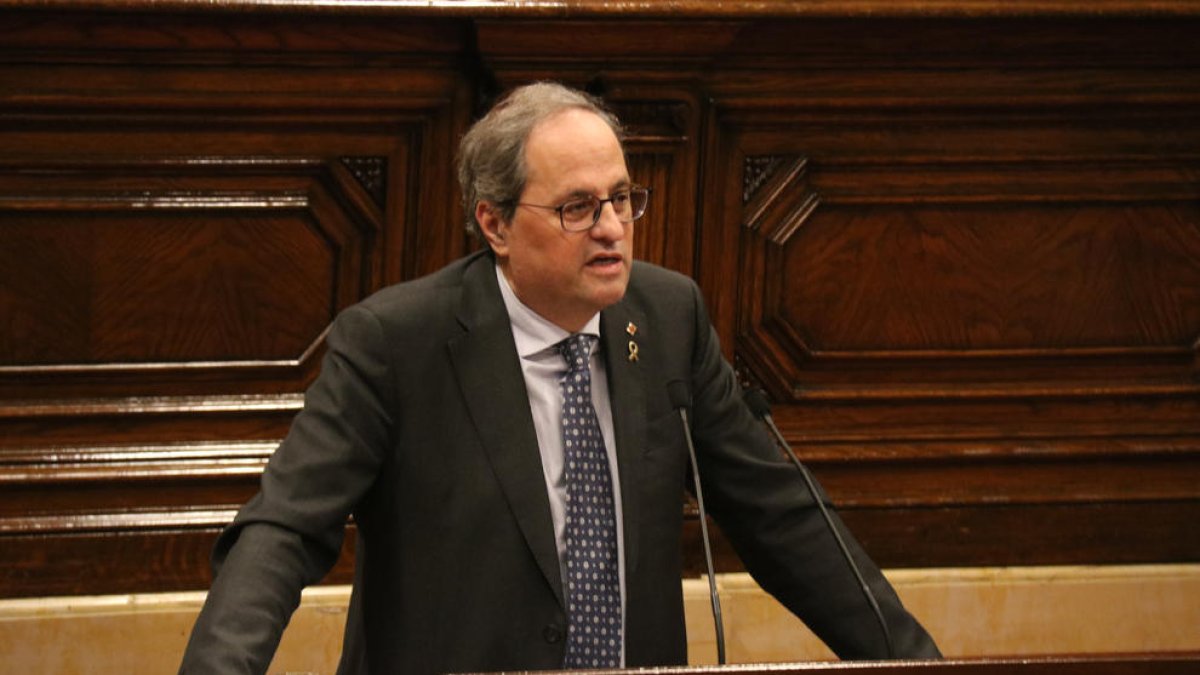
x=180, y=268
x=122, y=561
x=1106, y=532
x=971, y=291
x=1182, y=663
x=971, y=278
x=1005, y=535
x=961, y=255
x=662, y=158
x=185, y=204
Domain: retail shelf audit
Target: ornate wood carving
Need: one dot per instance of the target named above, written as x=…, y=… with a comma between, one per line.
x=661, y=157
x=174, y=267
x=757, y=171
x=978, y=317
x=934, y=276
x=371, y=173
x=959, y=254
x=185, y=204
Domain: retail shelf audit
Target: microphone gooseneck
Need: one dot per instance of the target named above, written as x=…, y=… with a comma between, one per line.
x=681, y=400
x=761, y=409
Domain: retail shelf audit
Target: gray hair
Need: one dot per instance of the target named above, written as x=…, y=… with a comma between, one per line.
x=491, y=156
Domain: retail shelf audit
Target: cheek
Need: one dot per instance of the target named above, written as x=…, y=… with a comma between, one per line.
x=548, y=266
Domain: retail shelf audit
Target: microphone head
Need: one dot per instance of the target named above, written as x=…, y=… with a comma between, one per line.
x=757, y=402
x=677, y=391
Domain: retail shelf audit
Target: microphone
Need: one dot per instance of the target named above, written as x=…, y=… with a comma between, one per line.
x=677, y=390
x=758, y=405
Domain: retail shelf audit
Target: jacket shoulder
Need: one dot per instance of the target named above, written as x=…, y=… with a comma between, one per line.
x=660, y=291
x=650, y=278
x=423, y=299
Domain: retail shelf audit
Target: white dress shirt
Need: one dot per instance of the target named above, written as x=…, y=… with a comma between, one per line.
x=544, y=368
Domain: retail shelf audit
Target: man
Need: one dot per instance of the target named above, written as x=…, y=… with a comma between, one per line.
x=471, y=420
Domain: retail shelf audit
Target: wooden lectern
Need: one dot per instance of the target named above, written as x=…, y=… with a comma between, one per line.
x=1179, y=663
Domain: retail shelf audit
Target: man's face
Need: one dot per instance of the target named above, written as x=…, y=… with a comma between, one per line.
x=566, y=277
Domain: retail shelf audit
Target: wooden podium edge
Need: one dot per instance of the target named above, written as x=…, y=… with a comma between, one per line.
x=1158, y=663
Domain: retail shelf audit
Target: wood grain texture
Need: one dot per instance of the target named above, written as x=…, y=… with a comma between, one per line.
x=646, y=8
x=1138, y=664
x=957, y=242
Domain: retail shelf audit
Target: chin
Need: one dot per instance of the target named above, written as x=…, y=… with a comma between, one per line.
x=602, y=293
x=610, y=297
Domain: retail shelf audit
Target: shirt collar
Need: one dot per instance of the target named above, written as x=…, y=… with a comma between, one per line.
x=532, y=332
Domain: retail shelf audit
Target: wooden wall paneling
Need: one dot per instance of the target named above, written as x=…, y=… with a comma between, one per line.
x=185, y=204
x=972, y=288
x=662, y=156
x=960, y=252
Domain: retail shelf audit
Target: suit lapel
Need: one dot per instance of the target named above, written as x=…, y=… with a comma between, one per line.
x=489, y=373
x=626, y=385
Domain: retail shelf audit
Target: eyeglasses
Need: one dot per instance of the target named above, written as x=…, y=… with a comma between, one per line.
x=581, y=214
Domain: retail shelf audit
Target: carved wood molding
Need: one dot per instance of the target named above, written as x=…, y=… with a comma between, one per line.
x=918, y=213
x=651, y=122
x=371, y=173
x=782, y=198
x=281, y=213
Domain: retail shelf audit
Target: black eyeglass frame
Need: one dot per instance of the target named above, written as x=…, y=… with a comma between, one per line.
x=562, y=222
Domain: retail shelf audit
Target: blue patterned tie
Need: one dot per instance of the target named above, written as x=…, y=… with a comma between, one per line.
x=593, y=591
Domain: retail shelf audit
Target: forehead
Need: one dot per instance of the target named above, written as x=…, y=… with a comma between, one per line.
x=574, y=150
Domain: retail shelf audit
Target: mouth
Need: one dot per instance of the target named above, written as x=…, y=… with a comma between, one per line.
x=606, y=260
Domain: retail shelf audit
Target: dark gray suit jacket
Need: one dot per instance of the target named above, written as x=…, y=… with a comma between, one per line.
x=419, y=426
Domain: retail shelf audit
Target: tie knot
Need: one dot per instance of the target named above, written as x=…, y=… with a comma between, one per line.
x=576, y=350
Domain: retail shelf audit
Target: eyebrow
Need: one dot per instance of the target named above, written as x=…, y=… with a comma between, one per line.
x=619, y=185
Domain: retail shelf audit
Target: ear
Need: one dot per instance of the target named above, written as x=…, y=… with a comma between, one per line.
x=494, y=229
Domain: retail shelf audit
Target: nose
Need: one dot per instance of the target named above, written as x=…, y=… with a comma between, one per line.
x=608, y=227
